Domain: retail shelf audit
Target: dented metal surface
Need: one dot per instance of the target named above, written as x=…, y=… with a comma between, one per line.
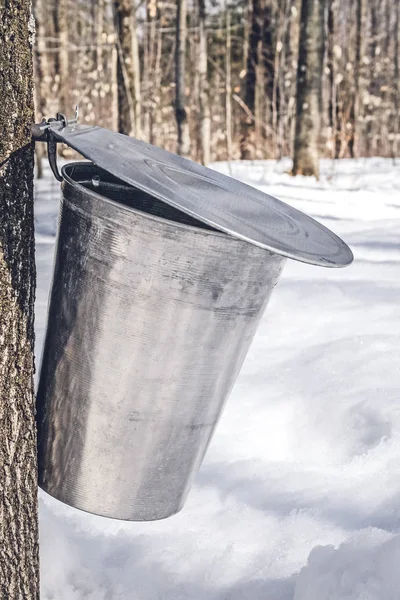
x=151, y=316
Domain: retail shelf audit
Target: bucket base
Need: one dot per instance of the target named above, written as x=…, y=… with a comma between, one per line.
x=150, y=516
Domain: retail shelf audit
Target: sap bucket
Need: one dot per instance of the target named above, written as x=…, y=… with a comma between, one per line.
x=163, y=270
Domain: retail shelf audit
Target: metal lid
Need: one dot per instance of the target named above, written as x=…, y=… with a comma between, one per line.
x=218, y=200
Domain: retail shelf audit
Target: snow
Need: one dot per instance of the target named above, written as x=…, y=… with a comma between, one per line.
x=298, y=497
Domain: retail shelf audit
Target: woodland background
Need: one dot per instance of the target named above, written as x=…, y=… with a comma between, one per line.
x=221, y=81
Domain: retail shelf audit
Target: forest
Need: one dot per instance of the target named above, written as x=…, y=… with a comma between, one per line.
x=244, y=79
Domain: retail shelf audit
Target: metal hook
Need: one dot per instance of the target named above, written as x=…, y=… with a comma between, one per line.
x=41, y=132
x=52, y=156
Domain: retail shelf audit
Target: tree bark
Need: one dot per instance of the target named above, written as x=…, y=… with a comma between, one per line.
x=205, y=120
x=355, y=105
x=396, y=84
x=332, y=103
x=247, y=142
x=309, y=88
x=62, y=62
x=228, y=86
x=183, y=146
x=269, y=76
x=19, y=549
x=41, y=76
x=128, y=70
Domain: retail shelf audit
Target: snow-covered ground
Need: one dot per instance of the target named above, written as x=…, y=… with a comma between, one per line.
x=298, y=497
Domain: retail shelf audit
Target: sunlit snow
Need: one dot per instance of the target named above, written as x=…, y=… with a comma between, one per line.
x=298, y=497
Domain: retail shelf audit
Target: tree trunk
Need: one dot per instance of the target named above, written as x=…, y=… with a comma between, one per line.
x=19, y=548
x=40, y=94
x=334, y=141
x=228, y=86
x=396, y=84
x=153, y=44
x=309, y=88
x=114, y=88
x=205, y=121
x=128, y=75
x=269, y=77
x=373, y=85
x=183, y=147
x=62, y=64
x=355, y=105
x=247, y=142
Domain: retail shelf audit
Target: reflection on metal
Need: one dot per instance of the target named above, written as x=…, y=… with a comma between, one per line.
x=220, y=201
x=163, y=271
x=151, y=317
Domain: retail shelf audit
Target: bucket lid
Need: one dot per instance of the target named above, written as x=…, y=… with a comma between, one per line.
x=218, y=200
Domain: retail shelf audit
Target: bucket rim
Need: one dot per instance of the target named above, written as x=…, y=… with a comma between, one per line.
x=222, y=202
x=209, y=230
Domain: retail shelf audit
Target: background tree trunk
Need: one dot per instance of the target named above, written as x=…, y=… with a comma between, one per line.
x=19, y=551
x=228, y=86
x=269, y=76
x=127, y=75
x=396, y=85
x=247, y=142
x=62, y=57
x=309, y=88
x=355, y=105
x=205, y=122
x=183, y=147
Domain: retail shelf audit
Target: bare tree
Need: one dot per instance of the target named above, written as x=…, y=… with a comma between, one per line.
x=205, y=120
x=355, y=103
x=247, y=142
x=396, y=94
x=62, y=56
x=228, y=85
x=360, y=102
x=128, y=70
x=269, y=71
x=309, y=88
x=19, y=556
x=183, y=147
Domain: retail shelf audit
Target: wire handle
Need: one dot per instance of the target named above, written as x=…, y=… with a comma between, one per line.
x=41, y=132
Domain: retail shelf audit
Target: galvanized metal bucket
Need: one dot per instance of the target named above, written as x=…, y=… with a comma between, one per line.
x=152, y=312
x=151, y=317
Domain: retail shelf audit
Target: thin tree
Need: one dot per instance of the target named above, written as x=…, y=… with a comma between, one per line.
x=183, y=146
x=228, y=85
x=128, y=70
x=19, y=555
x=396, y=85
x=309, y=88
x=247, y=141
x=205, y=120
x=62, y=56
x=355, y=104
x=269, y=71
x=334, y=141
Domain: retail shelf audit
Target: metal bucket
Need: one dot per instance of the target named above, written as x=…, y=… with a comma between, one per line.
x=151, y=316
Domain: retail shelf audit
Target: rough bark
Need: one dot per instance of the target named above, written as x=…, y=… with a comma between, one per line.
x=247, y=142
x=183, y=146
x=373, y=84
x=309, y=88
x=62, y=62
x=228, y=86
x=19, y=556
x=42, y=76
x=205, y=120
x=355, y=104
x=270, y=83
x=128, y=70
x=396, y=85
